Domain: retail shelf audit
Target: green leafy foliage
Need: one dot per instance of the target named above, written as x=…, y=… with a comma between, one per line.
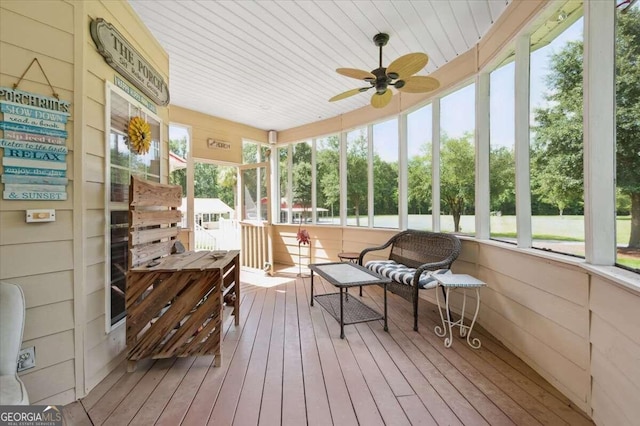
x=457, y=176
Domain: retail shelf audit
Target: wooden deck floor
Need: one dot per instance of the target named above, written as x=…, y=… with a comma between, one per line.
x=285, y=364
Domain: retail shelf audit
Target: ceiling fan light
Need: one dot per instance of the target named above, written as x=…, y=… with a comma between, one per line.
x=393, y=75
x=399, y=84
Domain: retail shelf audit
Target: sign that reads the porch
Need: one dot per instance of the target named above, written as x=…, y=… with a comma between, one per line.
x=214, y=144
x=124, y=58
x=33, y=143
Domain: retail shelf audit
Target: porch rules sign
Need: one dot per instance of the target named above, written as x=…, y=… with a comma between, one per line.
x=34, y=138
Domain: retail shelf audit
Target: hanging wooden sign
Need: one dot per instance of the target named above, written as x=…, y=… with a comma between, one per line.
x=34, y=146
x=124, y=58
x=32, y=137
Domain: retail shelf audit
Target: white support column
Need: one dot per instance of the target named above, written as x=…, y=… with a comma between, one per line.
x=435, y=164
x=343, y=179
x=599, y=132
x=370, y=190
x=191, y=217
x=290, y=183
x=523, y=187
x=403, y=162
x=482, y=201
x=274, y=200
x=314, y=197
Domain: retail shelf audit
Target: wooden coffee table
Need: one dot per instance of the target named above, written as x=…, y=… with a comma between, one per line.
x=345, y=309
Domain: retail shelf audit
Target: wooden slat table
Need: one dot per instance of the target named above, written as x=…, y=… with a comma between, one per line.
x=175, y=307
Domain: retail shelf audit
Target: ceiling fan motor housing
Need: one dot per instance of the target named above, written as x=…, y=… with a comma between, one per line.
x=382, y=80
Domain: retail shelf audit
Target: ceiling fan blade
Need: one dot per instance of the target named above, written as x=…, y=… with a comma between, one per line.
x=419, y=84
x=381, y=101
x=408, y=65
x=348, y=93
x=355, y=73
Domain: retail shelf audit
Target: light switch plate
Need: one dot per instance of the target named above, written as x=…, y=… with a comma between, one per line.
x=42, y=215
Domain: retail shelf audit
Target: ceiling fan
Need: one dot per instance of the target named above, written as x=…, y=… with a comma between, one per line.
x=398, y=74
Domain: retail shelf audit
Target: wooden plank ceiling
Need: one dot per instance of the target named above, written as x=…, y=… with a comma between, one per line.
x=271, y=64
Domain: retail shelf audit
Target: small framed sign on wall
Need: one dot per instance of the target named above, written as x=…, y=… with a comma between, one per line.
x=214, y=144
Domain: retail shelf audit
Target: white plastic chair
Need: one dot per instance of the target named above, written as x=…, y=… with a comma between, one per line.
x=12, y=312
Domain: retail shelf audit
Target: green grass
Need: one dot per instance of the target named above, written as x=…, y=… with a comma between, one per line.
x=537, y=236
x=630, y=263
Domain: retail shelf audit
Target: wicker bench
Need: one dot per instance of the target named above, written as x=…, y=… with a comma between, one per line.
x=414, y=257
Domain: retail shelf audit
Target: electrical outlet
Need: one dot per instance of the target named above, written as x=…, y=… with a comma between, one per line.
x=27, y=358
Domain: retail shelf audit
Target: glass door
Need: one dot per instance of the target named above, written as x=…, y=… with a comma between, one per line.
x=255, y=216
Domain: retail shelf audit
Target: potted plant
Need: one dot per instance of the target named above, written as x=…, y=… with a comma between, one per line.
x=303, y=238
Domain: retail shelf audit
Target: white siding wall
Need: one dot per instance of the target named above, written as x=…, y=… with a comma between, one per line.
x=615, y=353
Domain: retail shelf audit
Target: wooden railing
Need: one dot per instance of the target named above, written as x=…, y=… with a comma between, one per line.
x=256, y=251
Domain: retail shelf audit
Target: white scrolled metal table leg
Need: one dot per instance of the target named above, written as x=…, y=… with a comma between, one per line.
x=448, y=340
x=463, y=329
x=475, y=342
x=440, y=331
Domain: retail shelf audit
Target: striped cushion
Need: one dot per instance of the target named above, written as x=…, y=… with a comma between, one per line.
x=403, y=274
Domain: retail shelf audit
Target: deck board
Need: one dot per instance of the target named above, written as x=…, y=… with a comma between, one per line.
x=292, y=377
x=270, y=406
x=251, y=393
x=315, y=391
x=286, y=364
x=225, y=406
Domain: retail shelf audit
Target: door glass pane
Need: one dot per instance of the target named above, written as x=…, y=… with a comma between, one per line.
x=249, y=152
x=283, y=188
x=250, y=198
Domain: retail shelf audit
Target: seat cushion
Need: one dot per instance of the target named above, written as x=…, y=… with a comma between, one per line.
x=12, y=391
x=403, y=274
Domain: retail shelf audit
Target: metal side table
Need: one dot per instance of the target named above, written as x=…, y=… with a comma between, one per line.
x=465, y=282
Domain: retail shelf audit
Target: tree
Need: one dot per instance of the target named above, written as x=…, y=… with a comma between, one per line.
x=457, y=175
x=419, y=181
x=557, y=157
x=502, y=180
x=357, y=176
x=301, y=185
x=628, y=113
x=227, y=181
x=557, y=152
x=328, y=173
x=385, y=186
x=179, y=177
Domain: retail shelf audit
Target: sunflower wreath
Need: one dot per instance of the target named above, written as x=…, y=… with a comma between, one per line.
x=139, y=135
